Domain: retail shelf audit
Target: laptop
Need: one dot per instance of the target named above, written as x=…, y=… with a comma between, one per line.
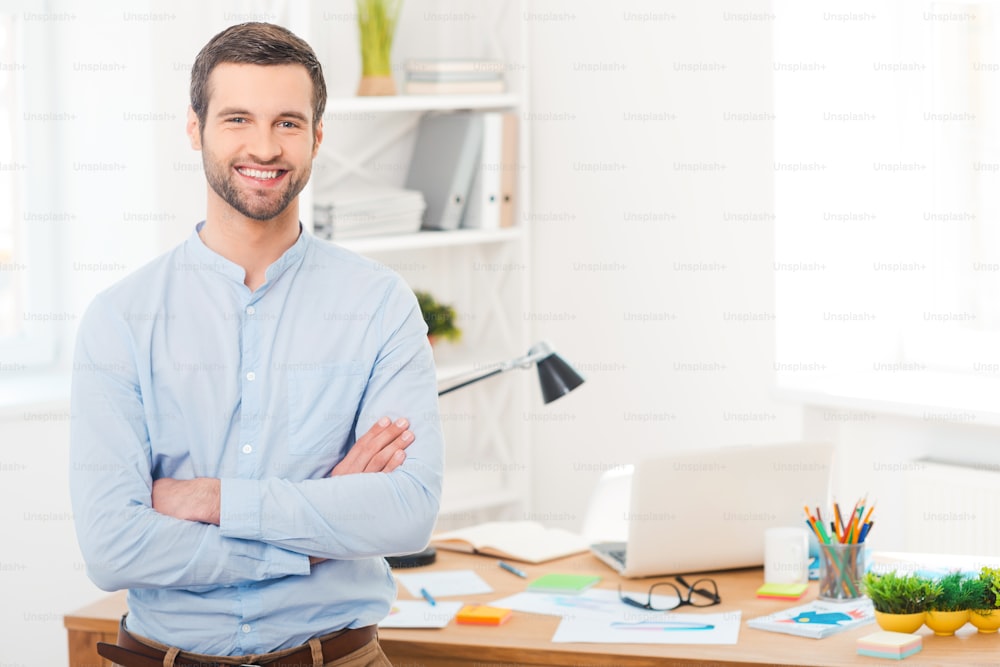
x=708, y=510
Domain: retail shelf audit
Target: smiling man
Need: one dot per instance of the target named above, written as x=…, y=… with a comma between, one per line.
x=254, y=414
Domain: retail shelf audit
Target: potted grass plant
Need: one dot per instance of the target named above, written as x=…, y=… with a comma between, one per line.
x=900, y=601
x=377, y=26
x=440, y=318
x=985, y=613
x=949, y=610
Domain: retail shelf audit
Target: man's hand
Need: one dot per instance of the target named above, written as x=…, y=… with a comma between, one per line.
x=378, y=450
x=189, y=499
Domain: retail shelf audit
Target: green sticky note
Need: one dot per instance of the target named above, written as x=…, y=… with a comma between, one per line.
x=563, y=583
x=782, y=591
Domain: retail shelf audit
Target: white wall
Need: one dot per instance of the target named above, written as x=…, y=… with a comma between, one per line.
x=653, y=243
x=41, y=570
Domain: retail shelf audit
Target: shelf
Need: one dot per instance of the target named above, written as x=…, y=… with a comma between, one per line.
x=395, y=103
x=485, y=273
x=423, y=240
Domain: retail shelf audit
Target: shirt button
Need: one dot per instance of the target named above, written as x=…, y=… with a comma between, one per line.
x=251, y=310
x=247, y=449
x=245, y=628
x=251, y=376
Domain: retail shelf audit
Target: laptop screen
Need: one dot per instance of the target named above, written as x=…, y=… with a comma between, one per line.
x=708, y=510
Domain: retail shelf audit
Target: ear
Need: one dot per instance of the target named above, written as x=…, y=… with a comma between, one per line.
x=317, y=138
x=193, y=130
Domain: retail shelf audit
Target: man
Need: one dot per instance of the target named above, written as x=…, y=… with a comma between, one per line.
x=218, y=392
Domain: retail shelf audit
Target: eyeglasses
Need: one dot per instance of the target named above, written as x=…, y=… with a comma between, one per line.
x=702, y=593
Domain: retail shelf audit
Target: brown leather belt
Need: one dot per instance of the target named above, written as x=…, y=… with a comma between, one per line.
x=130, y=652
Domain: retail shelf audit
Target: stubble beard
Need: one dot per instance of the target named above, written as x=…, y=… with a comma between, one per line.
x=222, y=179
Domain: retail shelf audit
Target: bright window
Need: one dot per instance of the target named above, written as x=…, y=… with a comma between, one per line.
x=27, y=257
x=11, y=190
x=887, y=200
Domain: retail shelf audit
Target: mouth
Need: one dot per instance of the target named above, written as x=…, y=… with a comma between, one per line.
x=264, y=177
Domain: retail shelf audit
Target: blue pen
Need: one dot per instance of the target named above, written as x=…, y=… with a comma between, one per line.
x=864, y=532
x=427, y=596
x=512, y=569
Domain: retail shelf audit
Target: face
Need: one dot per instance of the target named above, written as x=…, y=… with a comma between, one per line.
x=258, y=142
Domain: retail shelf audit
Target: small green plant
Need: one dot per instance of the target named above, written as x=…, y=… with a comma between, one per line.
x=957, y=593
x=377, y=25
x=892, y=593
x=979, y=592
x=989, y=595
x=440, y=318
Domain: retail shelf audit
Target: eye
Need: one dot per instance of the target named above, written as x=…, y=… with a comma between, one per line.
x=239, y=120
x=288, y=124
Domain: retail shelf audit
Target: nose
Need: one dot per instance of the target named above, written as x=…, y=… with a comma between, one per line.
x=263, y=145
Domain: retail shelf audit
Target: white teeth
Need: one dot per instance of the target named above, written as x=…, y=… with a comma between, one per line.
x=257, y=173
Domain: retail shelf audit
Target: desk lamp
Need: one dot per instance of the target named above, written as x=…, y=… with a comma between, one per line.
x=557, y=379
x=556, y=376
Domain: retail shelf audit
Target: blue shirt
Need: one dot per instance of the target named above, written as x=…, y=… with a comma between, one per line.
x=181, y=371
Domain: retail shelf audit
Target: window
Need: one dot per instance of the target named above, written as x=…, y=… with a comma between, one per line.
x=10, y=183
x=887, y=201
x=27, y=255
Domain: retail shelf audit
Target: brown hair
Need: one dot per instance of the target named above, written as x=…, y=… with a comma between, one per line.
x=255, y=44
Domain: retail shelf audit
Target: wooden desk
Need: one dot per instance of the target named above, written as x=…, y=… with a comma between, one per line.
x=525, y=639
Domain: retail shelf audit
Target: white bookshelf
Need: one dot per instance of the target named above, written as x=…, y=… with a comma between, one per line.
x=483, y=273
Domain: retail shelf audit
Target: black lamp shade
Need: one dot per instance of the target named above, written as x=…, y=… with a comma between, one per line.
x=556, y=377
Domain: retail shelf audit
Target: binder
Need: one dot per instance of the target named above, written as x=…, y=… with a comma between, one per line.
x=483, y=209
x=442, y=166
x=510, y=170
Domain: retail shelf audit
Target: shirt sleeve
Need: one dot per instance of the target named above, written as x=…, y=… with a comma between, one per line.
x=368, y=514
x=124, y=541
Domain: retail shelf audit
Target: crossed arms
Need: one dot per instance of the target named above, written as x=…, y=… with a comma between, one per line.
x=381, y=449
x=139, y=532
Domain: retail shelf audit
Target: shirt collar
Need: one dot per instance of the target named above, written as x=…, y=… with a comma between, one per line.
x=206, y=258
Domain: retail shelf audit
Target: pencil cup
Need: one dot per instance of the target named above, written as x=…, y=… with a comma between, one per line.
x=841, y=568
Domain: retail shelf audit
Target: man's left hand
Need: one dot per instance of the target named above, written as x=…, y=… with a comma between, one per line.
x=381, y=449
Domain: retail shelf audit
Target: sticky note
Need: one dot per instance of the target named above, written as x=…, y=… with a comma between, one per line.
x=782, y=591
x=890, y=645
x=570, y=584
x=481, y=614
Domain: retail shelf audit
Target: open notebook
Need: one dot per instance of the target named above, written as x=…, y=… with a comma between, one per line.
x=527, y=541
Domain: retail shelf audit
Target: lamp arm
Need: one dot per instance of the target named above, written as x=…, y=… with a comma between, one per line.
x=537, y=352
x=466, y=383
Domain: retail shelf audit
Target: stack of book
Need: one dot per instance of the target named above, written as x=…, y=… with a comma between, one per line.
x=456, y=76
x=368, y=210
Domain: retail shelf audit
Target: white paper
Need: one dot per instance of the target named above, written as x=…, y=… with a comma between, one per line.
x=662, y=628
x=593, y=603
x=443, y=584
x=420, y=614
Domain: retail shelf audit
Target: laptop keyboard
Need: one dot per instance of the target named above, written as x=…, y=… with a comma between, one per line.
x=618, y=555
